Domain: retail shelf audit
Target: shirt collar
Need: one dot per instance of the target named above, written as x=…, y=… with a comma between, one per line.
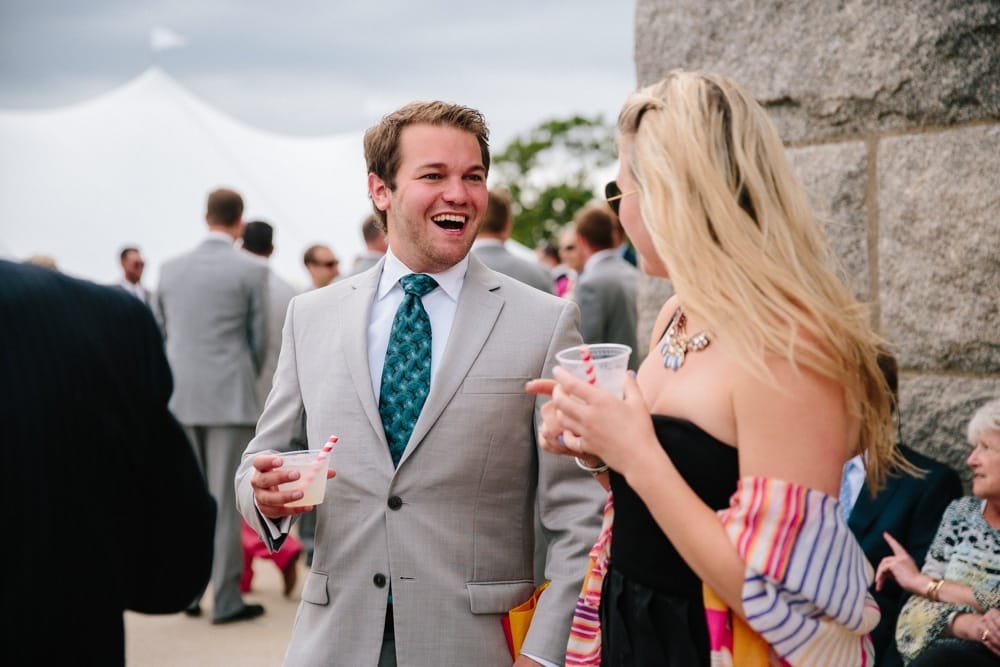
x=487, y=242
x=221, y=236
x=450, y=280
x=598, y=256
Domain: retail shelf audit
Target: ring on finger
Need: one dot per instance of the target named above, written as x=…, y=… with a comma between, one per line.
x=561, y=440
x=986, y=635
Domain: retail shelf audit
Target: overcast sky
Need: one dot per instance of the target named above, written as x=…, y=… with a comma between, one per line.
x=310, y=68
x=315, y=67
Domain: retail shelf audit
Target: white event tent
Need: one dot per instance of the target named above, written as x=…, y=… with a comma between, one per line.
x=134, y=166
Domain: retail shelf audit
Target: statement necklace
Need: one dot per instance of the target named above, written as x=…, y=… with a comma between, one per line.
x=677, y=344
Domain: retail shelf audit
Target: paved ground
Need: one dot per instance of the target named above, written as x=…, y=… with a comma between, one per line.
x=165, y=641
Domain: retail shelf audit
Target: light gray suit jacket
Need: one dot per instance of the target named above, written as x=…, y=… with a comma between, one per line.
x=279, y=295
x=607, y=293
x=451, y=529
x=212, y=306
x=500, y=259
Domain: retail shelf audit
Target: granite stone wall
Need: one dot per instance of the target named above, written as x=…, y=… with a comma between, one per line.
x=890, y=110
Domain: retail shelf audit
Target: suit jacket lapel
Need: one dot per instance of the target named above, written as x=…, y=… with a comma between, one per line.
x=357, y=306
x=866, y=509
x=478, y=308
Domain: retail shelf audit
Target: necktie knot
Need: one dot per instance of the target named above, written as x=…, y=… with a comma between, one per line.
x=417, y=284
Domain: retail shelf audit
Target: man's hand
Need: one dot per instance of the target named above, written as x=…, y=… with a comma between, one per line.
x=266, y=478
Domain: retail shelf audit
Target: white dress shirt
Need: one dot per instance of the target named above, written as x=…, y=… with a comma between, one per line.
x=850, y=484
x=136, y=290
x=440, y=304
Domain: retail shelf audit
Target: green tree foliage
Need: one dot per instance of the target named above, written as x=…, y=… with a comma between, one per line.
x=549, y=173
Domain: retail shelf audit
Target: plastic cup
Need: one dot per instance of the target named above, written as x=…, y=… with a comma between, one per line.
x=312, y=469
x=609, y=361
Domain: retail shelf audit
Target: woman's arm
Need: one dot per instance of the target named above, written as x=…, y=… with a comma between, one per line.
x=930, y=582
x=796, y=431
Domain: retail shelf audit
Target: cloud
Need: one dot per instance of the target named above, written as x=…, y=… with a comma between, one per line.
x=164, y=39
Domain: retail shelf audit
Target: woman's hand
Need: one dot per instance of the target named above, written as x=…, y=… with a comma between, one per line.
x=987, y=630
x=594, y=423
x=900, y=566
x=550, y=431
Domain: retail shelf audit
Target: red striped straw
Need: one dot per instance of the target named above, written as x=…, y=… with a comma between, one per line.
x=321, y=458
x=588, y=364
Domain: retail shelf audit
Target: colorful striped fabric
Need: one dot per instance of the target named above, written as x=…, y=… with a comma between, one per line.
x=805, y=589
x=584, y=647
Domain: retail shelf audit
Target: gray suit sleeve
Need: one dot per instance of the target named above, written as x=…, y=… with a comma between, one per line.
x=570, y=503
x=280, y=428
x=257, y=321
x=588, y=297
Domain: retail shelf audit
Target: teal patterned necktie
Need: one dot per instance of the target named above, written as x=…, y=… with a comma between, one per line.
x=406, y=374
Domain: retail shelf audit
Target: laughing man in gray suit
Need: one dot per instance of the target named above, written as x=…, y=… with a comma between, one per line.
x=211, y=303
x=421, y=549
x=608, y=286
x=489, y=245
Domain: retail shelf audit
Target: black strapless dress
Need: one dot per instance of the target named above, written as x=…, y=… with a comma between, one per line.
x=652, y=613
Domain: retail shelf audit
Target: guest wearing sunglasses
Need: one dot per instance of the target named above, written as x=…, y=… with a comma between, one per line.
x=321, y=264
x=724, y=457
x=132, y=267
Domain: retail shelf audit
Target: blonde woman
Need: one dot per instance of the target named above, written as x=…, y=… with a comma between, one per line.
x=761, y=379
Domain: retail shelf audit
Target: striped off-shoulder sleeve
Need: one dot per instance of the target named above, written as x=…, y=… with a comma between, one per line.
x=805, y=588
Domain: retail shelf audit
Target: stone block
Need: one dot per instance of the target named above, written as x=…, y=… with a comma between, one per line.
x=835, y=177
x=834, y=69
x=935, y=411
x=939, y=248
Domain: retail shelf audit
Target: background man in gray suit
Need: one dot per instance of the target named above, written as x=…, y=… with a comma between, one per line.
x=489, y=245
x=212, y=307
x=607, y=288
x=375, y=245
x=444, y=522
x=258, y=240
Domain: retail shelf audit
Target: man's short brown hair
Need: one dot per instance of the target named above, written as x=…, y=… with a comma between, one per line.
x=382, y=151
x=595, y=224
x=371, y=229
x=225, y=207
x=498, y=206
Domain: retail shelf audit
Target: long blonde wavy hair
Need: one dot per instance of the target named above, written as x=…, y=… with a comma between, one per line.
x=733, y=226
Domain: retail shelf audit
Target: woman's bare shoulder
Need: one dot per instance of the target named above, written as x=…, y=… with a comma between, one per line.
x=792, y=425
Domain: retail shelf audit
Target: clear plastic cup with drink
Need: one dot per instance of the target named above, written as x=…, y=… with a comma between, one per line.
x=312, y=465
x=601, y=364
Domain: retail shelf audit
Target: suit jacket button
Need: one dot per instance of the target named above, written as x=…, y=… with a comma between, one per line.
x=395, y=502
x=379, y=580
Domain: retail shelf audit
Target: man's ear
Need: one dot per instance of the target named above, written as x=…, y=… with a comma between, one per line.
x=379, y=191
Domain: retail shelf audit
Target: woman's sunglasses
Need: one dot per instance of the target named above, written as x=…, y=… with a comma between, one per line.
x=614, y=195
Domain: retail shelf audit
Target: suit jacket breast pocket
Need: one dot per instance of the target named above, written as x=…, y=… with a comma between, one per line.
x=494, y=385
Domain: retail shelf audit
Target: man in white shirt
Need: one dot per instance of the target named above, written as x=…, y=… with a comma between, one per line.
x=422, y=548
x=909, y=508
x=132, y=268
